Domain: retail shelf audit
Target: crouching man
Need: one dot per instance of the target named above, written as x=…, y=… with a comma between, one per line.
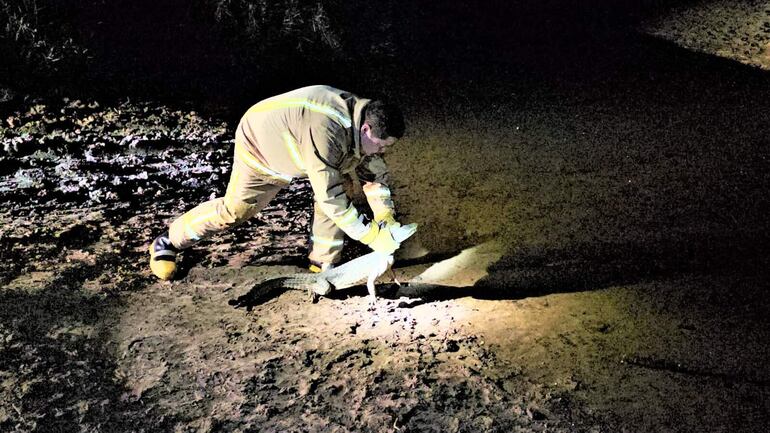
x=316, y=132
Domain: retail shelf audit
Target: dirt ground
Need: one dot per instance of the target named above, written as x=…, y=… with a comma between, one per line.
x=591, y=257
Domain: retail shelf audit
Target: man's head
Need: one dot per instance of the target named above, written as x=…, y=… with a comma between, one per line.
x=383, y=125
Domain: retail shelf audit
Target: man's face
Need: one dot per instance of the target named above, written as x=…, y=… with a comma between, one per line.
x=371, y=144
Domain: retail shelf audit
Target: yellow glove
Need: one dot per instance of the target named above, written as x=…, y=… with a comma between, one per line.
x=386, y=218
x=379, y=239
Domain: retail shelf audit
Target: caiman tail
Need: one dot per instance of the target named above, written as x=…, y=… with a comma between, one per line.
x=313, y=284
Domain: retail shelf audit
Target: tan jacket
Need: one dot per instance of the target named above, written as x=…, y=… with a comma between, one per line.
x=314, y=132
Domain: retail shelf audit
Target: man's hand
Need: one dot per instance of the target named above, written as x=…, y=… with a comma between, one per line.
x=380, y=239
x=387, y=218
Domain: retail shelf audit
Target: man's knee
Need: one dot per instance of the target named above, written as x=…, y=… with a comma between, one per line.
x=239, y=211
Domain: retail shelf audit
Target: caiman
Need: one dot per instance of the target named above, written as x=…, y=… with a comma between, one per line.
x=368, y=267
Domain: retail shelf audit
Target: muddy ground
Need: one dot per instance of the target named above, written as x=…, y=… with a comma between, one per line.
x=592, y=257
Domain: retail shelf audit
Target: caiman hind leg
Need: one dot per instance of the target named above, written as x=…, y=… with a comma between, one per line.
x=319, y=287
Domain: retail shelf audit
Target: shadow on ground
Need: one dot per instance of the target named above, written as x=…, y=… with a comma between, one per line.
x=531, y=272
x=539, y=272
x=55, y=363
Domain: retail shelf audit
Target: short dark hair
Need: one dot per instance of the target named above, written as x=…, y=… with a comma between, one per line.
x=385, y=119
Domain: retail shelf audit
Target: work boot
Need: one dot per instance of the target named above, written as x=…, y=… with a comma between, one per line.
x=163, y=257
x=317, y=267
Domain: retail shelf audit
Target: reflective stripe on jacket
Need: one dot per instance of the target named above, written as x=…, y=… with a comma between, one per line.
x=311, y=132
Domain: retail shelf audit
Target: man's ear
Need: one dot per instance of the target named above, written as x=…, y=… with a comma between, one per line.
x=365, y=128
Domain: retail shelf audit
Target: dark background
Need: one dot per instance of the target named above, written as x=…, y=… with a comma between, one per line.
x=232, y=52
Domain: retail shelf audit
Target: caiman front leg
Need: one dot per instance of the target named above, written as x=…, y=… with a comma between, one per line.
x=372, y=291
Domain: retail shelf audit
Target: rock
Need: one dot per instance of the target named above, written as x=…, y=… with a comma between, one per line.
x=536, y=414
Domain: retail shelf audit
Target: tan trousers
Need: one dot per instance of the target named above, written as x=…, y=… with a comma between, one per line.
x=327, y=238
x=248, y=192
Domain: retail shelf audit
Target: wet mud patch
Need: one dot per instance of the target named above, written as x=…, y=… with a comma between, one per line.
x=85, y=154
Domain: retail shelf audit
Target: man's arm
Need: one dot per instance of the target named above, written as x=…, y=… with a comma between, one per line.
x=376, y=176
x=323, y=155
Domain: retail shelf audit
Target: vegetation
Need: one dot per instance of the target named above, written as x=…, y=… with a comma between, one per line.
x=37, y=39
x=180, y=46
